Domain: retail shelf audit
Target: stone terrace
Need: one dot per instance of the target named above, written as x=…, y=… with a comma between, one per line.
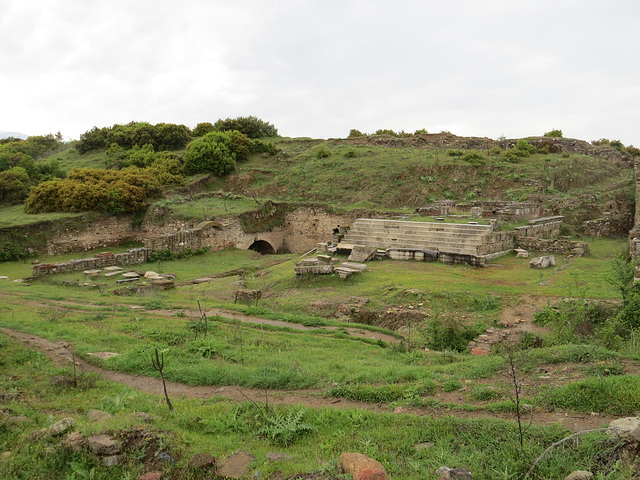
x=463, y=241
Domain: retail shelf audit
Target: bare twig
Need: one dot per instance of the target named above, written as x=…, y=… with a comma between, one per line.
x=158, y=365
x=558, y=443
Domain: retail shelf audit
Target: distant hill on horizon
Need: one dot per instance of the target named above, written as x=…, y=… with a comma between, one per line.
x=13, y=134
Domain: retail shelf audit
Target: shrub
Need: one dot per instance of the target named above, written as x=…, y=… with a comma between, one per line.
x=212, y=153
x=474, y=158
x=12, y=252
x=554, y=133
x=14, y=185
x=421, y=131
x=202, y=129
x=250, y=126
x=323, y=152
x=495, y=151
x=547, y=146
x=386, y=131
x=455, y=153
x=107, y=191
x=355, y=133
x=602, y=141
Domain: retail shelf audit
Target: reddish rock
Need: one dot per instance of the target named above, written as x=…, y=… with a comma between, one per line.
x=362, y=467
x=479, y=351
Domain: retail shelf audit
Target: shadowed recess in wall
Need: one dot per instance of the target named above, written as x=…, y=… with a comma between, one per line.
x=262, y=247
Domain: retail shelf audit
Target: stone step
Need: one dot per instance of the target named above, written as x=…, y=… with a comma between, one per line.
x=417, y=243
x=392, y=239
x=401, y=224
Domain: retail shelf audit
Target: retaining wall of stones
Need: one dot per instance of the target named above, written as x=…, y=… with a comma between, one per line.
x=134, y=256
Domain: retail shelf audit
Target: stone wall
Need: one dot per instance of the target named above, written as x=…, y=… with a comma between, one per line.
x=104, y=232
x=560, y=246
x=134, y=256
x=505, y=210
x=546, y=227
x=305, y=227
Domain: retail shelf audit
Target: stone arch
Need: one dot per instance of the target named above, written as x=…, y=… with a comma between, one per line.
x=262, y=247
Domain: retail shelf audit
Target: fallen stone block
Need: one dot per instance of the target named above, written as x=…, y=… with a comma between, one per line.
x=543, y=262
x=314, y=270
x=354, y=266
x=361, y=253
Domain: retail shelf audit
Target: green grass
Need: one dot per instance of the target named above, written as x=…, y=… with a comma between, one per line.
x=488, y=448
x=14, y=216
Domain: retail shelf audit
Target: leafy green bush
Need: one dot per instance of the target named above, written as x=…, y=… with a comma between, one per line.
x=250, y=126
x=14, y=185
x=474, y=158
x=213, y=153
x=12, y=252
x=108, y=191
x=323, y=152
x=355, y=133
x=554, y=133
x=495, y=151
x=163, y=136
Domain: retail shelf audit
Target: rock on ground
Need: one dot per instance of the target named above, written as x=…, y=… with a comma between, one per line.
x=236, y=465
x=362, y=467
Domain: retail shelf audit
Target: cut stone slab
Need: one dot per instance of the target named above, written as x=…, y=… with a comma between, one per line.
x=103, y=355
x=324, y=259
x=112, y=269
x=354, y=266
x=308, y=262
x=236, y=465
x=92, y=273
x=360, y=253
x=131, y=275
x=4, y=277
x=314, y=270
x=111, y=274
x=202, y=280
x=128, y=280
x=521, y=253
x=150, y=274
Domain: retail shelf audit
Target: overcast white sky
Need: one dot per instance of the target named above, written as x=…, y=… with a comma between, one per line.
x=319, y=68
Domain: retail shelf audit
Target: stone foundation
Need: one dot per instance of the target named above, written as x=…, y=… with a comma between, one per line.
x=135, y=256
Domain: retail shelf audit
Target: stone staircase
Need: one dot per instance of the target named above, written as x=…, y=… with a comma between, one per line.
x=456, y=238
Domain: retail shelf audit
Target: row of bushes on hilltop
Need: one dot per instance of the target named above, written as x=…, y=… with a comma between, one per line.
x=19, y=168
x=168, y=136
x=138, y=172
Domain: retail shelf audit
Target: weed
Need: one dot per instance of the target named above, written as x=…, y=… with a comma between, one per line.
x=117, y=403
x=284, y=428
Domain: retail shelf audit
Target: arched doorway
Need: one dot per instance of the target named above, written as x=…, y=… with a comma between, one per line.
x=262, y=247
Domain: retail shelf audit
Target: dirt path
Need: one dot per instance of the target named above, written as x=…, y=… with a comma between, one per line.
x=60, y=354
x=233, y=315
